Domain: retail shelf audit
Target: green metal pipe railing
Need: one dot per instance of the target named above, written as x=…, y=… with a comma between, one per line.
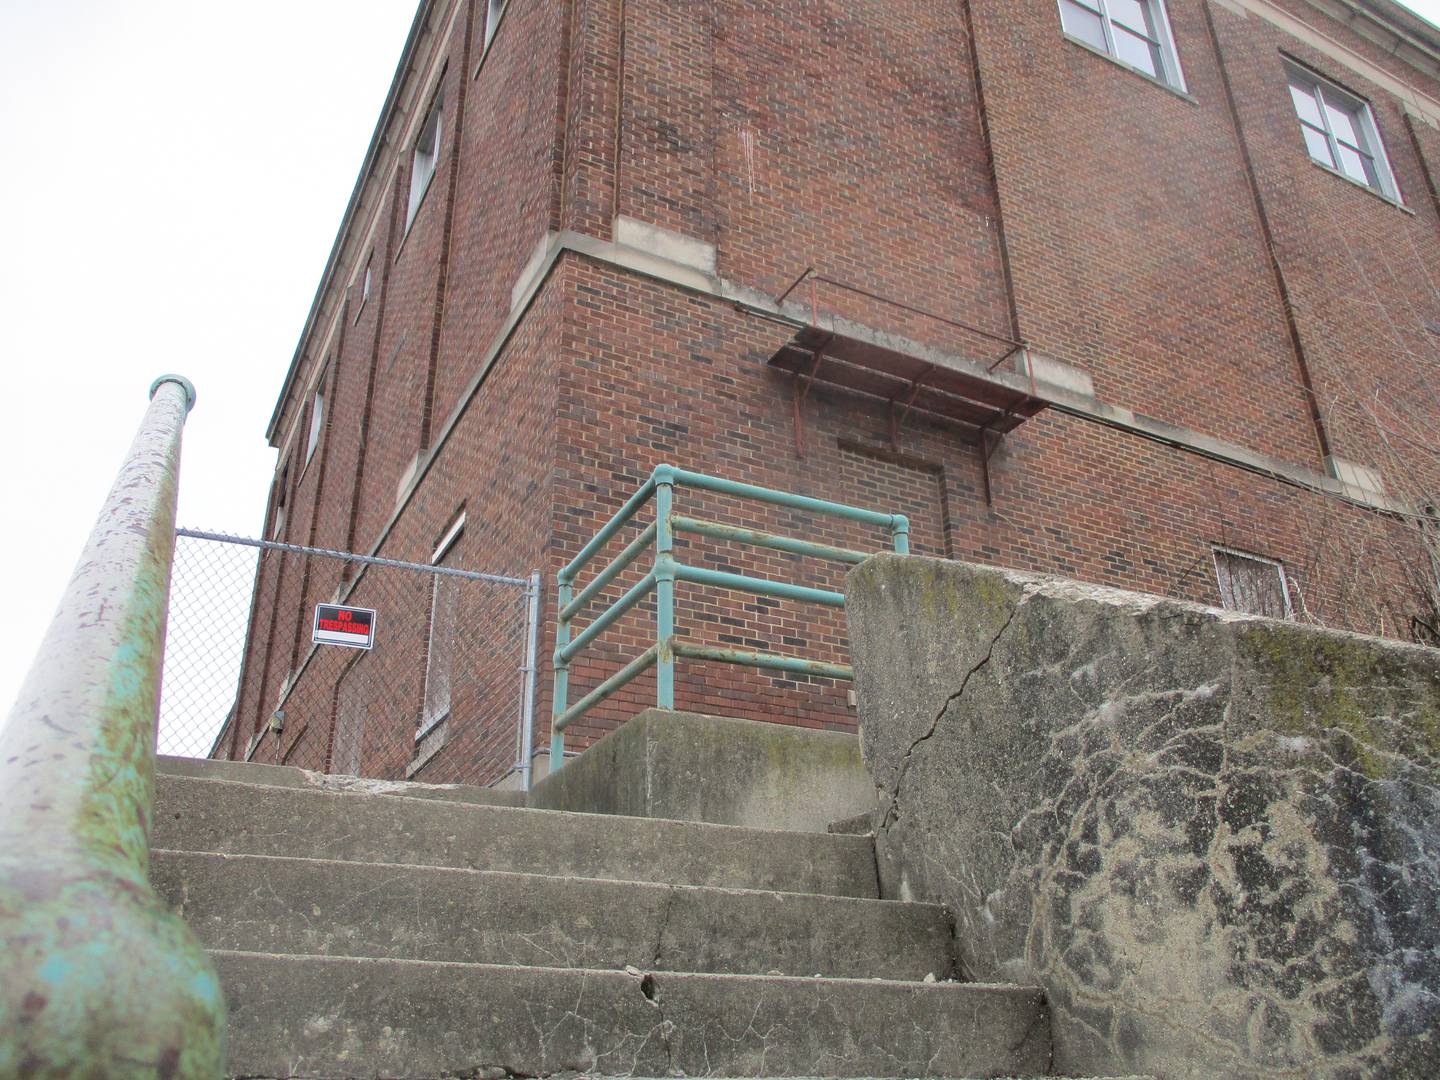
x=756, y=538
x=97, y=977
x=667, y=571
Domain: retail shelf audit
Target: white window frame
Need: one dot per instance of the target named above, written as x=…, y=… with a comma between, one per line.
x=365, y=280
x=317, y=421
x=282, y=502
x=432, y=716
x=425, y=156
x=493, y=10
x=1328, y=96
x=1216, y=550
x=1170, y=73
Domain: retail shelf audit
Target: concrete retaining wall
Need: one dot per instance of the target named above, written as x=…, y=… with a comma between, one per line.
x=1213, y=839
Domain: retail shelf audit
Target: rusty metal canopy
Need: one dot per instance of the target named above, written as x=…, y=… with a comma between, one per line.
x=863, y=367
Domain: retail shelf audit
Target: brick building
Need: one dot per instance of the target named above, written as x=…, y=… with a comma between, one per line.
x=1135, y=291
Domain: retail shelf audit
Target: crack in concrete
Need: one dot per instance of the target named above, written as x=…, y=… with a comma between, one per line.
x=652, y=995
x=1041, y=1018
x=665, y=914
x=892, y=812
x=875, y=861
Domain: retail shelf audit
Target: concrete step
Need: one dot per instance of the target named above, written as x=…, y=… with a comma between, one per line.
x=309, y=1016
x=282, y=905
x=249, y=772
x=249, y=819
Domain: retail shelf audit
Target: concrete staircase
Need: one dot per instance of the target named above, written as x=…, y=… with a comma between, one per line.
x=388, y=930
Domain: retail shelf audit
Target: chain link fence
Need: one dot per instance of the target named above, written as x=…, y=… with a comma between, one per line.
x=348, y=664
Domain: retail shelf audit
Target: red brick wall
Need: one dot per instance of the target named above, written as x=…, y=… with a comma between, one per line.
x=848, y=137
x=659, y=375
x=1182, y=249
x=1361, y=272
x=1133, y=238
x=503, y=198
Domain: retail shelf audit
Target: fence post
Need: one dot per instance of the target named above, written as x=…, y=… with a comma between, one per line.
x=532, y=648
x=97, y=977
x=664, y=587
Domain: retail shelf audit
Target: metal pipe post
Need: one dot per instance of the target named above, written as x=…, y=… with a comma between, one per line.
x=532, y=652
x=97, y=977
x=900, y=534
x=564, y=594
x=665, y=587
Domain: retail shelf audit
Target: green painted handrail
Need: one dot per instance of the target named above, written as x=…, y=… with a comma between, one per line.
x=667, y=571
x=97, y=977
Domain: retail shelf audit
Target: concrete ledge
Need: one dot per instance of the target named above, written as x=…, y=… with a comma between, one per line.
x=665, y=244
x=1052, y=373
x=692, y=767
x=1355, y=475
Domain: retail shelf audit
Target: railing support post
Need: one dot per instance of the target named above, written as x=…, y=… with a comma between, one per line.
x=900, y=534
x=97, y=977
x=564, y=594
x=665, y=586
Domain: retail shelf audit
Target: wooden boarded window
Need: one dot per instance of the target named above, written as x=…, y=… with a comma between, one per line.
x=1253, y=584
x=440, y=652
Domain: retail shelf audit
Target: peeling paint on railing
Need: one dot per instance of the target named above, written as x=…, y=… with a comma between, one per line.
x=97, y=977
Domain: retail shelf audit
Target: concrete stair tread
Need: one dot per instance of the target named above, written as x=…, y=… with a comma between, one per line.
x=348, y=1016
x=283, y=904
x=241, y=818
x=250, y=772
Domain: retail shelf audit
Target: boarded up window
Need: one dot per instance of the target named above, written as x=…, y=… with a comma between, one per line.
x=445, y=600
x=1252, y=583
x=440, y=652
x=350, y=706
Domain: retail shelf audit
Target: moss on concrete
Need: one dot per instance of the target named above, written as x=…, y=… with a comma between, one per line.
x=1383, y=696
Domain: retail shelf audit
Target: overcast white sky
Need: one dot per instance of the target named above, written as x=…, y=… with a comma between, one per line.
x=173, y=175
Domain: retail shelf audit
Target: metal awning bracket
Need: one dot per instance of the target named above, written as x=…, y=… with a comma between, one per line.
x=801, y=391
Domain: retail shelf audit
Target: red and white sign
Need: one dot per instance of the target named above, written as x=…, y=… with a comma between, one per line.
x=352, y=627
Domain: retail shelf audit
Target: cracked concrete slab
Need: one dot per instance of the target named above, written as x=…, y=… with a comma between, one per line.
x=359, y=1017
x=1213, y=839
x=249, y=772
x=283, y=905
x=234, y=818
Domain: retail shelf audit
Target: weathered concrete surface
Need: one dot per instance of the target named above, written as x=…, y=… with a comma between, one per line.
x=693, y=767
x=250, y=772
x=859, y=825
x=396, y=1018
x=280, y=905
x=249, y=819
x=1213, y=839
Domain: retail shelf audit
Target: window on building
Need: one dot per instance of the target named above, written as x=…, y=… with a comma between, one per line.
x=425, y=157
x=1253, y=584
x=365, y=285
x=440, y=652
x=492, y=19
x=1134, y=32
x=317, y=420
x=282, y=496
x=1340, y=131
